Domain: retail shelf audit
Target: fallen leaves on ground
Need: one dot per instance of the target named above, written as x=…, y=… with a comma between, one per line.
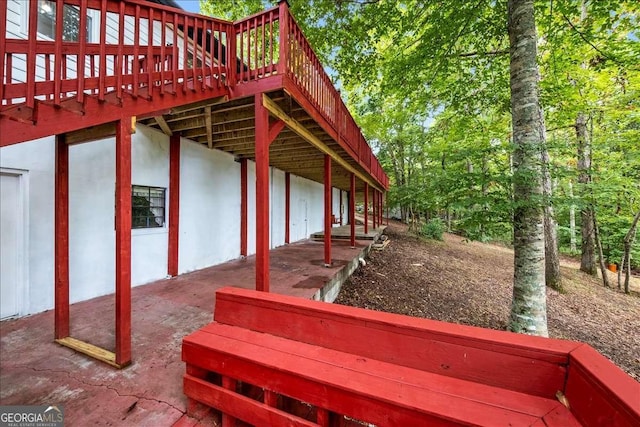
x=471, y=283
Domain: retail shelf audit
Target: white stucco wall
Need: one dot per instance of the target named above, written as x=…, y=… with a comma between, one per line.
x=277, y=207
x=209, y=212
x=36, y=159
x=209, y=207
x=209, y=193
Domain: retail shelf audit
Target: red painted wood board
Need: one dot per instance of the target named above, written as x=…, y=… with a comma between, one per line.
x=521, y=363
x=53, y=120
x=560, y=416
x=599, y=393
x=61, y=238
x=123, y=242
x=328, y=385
x=477, y=392
x=293, y=89
x=239, y=406
x=174, y=204
x=262, y=194
x=250, y=88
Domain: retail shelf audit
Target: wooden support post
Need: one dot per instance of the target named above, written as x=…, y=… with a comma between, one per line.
x=366, y=208
x=322, y=417
x=61, y=238
x=378, y=208
x=283, y=21
x=386, y=203
x=262, y=195
x=374, y=203
x=174, y=203
x=352, y=210
x=327, y=210
x=270, y=398
x=123, y=241
x=229, y=384
x=340, y=207
x=287, y=206
x=243, y=207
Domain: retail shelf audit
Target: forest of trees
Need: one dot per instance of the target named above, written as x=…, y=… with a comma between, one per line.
x=432, y=86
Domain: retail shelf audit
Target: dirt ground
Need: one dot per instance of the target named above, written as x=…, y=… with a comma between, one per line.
x=471, y=283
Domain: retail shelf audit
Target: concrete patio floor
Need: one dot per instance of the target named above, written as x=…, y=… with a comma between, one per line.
x=34, y=370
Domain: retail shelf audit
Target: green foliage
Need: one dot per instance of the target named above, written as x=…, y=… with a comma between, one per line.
x=433, y=229
x=234, y=9
x=428, y=83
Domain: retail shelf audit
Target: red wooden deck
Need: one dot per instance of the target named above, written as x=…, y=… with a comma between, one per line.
x=255, y=84
x=204, y=59
x=265, y=354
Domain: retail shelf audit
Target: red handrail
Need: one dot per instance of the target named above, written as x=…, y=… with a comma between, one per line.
x=119, y=60
x=304, y=68
x=257, y=45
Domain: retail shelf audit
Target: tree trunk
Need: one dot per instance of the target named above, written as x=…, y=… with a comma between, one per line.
x=485, y=192
x=628, y=241
x=529, y=304
x=624, y=258
x=572, y=220
x=603, y=268
x=588, y=260
x=551, y=257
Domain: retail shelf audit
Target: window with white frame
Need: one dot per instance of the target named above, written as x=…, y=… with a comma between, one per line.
x=70, y=19
x=147, y=206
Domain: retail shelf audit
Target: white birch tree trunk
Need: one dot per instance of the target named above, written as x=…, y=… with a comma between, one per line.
x=529, y=304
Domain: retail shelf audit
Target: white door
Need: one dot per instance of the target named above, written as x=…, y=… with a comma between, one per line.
x=11, y=234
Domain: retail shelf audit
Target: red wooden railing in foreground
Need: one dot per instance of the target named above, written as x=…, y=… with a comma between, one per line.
x=271, y=359
x=143, y=49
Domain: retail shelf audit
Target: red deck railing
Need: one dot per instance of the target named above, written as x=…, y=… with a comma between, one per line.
x=304, y=68
x=140, y=45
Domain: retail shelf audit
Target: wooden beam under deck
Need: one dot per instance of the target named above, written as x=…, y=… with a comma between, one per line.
x=235, y=134
x=163, y=125
x=208, y=125
x=312, y=139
